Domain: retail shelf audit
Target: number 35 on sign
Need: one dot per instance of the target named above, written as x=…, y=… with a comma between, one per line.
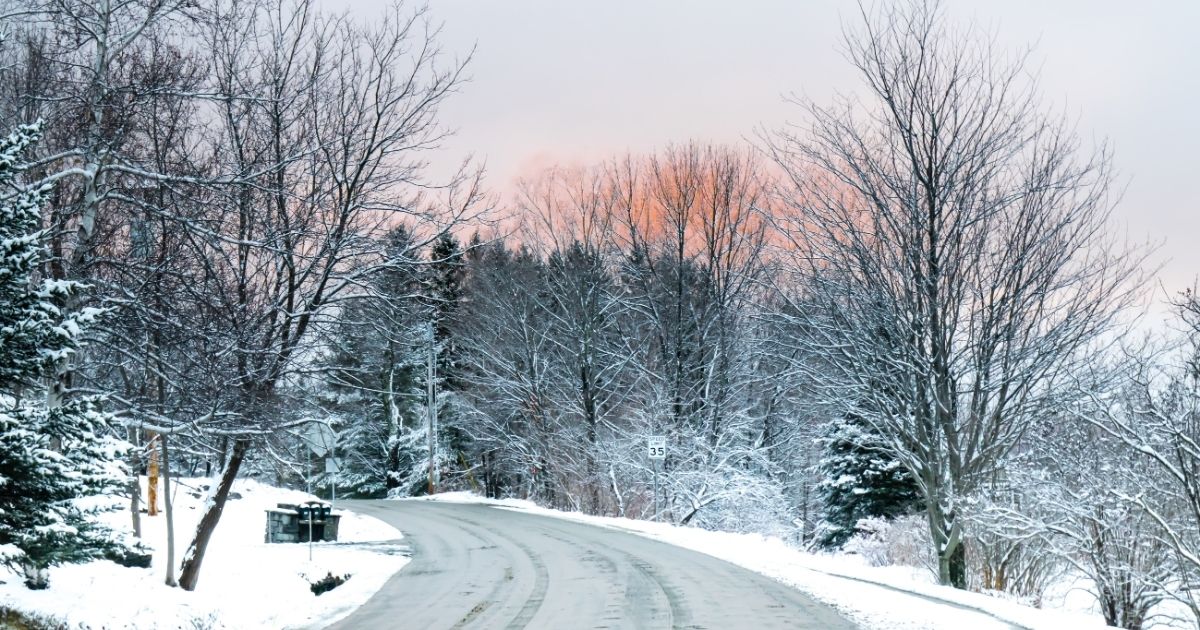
x=657, y=445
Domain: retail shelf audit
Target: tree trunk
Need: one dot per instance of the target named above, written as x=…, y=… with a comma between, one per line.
x=1119, y=605
x=135, y=485
x=491, y=483
x=943, y=561
x=948, y=545
x=170, y=513
x=392, y=412
x=135, y=504
x=189, y=572
x=958, y=566
x=952, y=564
x=36, y=577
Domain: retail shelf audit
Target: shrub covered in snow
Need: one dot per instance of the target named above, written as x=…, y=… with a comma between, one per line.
x=744, y=503
x=328, y=583
x=886, y=542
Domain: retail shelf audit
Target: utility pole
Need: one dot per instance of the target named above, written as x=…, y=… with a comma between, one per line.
x=431, y=406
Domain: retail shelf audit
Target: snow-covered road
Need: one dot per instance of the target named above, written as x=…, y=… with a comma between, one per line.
x=476, y=566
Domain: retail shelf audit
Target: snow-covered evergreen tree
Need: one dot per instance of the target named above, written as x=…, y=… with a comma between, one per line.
x=50, y=458
x=860, y=481
x=375, y=366
x=444, y=294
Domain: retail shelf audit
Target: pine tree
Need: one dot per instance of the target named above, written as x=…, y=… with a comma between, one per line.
x=374, y=369
x=444, y=295
x=50, y=458
x=860, y=480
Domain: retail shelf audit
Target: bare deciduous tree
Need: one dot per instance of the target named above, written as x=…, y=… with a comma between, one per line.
x=1152, y=410
x=950, y=236
x=322, y=121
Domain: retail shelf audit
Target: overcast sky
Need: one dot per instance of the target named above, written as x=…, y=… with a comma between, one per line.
x=573, y=81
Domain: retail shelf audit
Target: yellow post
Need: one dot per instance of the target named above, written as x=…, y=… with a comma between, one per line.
x=152, y=477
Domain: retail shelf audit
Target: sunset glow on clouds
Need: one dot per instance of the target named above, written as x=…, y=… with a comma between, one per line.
x=574, y=83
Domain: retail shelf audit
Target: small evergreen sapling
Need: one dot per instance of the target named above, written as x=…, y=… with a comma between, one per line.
x=55, y=463
x=860, y=481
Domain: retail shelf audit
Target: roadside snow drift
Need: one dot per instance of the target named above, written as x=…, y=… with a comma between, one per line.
x=244, y=583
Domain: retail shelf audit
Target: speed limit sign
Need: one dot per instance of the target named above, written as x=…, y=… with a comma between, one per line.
x=657, y=446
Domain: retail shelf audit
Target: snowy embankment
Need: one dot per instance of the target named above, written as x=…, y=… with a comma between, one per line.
x=882, y=598
x=245, y=583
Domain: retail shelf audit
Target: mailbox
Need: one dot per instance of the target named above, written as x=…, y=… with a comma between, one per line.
x=289, y=522
x=318, y=511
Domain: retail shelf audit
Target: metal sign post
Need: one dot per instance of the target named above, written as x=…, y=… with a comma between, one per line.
x=310, y=532
x=657, y=450
x=332, y=467
x=312, y=506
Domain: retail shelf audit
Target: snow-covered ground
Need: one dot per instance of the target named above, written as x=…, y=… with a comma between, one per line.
x=244, y=583
x=875, y=597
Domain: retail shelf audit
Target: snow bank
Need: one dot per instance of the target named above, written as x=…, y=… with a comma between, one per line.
x=244, y=582
x=883, y=597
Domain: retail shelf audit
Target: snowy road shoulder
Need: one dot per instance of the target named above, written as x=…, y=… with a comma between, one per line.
x=244, y=583
x=873, y=597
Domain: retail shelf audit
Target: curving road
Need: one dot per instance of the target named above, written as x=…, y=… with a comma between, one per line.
x=476, y=566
